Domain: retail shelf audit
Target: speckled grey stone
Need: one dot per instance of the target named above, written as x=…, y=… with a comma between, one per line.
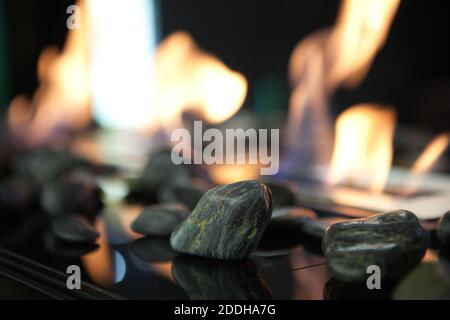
x=443, y=229
x=394, y=241
x=227, y=223
x=74, y=228
x=159, y=220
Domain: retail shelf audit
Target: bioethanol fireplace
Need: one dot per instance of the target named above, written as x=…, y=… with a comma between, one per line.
x=346, y=161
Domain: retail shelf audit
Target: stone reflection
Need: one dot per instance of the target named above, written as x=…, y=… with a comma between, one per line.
x=338, y=290
x=64, y=249
x=209, y=279
x=428, y=281
x=153, y=249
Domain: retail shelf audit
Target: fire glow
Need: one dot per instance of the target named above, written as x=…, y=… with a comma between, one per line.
x=128, y=82
x=125, y=82
x=63, y=97
x=363, y=147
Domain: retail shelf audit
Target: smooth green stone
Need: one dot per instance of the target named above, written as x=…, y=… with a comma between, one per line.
x=394, y=241
x=443, y=229
x=227, y=223
x=75, y=229
x=159, y=220
x=429, y=281
x=208, y=279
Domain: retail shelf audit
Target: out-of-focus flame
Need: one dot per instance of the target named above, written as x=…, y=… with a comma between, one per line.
x=148, y=92
x=63, y=96
x=360, y=32
x=230, y=173
x=425, y=162
x=327, y=59
x=98, y=264
x=190, y=79
x=19, y=113
x=363, y=147
x=431, y=154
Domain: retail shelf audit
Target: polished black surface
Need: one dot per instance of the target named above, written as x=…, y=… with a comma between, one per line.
x=125, y=265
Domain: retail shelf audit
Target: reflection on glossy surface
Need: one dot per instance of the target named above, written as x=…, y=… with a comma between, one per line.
x=98, y=264
x=203, y=278
x=164, y=269
x=308, y=283
x=153, y=249
x=337, y=290
x=120, y=267
x=428, y=281
x=70, y=250
x=118, y=221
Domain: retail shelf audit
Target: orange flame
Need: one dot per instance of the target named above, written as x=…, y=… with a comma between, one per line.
x=327, y=59
x=98, y=264
x=363, y=147
x=63, y=96
x=190, y=79
x=229, y=173
x=431, y=154
x=427, y=159
x=360, y=32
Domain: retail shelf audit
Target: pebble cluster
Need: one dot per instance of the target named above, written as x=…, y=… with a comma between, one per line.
x=209, y=231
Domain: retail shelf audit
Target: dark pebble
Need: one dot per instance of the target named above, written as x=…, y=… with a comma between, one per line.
x=77, y=192
x=283, y=194
x=284, y=229
x=288, y=217
x=218, y=280
x=18, y=195
x=443, y=229
x=188, y=195
x=44, y=165
x=67, y=249
x=159, y=175
x=316, y=228
x=74, y=228
x=160, y=171
x=394, y=241
x=159, y=220
x=227, y=223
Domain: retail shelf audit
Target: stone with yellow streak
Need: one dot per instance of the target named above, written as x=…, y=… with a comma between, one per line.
x=227, y=222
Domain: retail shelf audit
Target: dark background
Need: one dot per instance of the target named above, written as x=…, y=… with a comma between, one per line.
x=256, y=38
